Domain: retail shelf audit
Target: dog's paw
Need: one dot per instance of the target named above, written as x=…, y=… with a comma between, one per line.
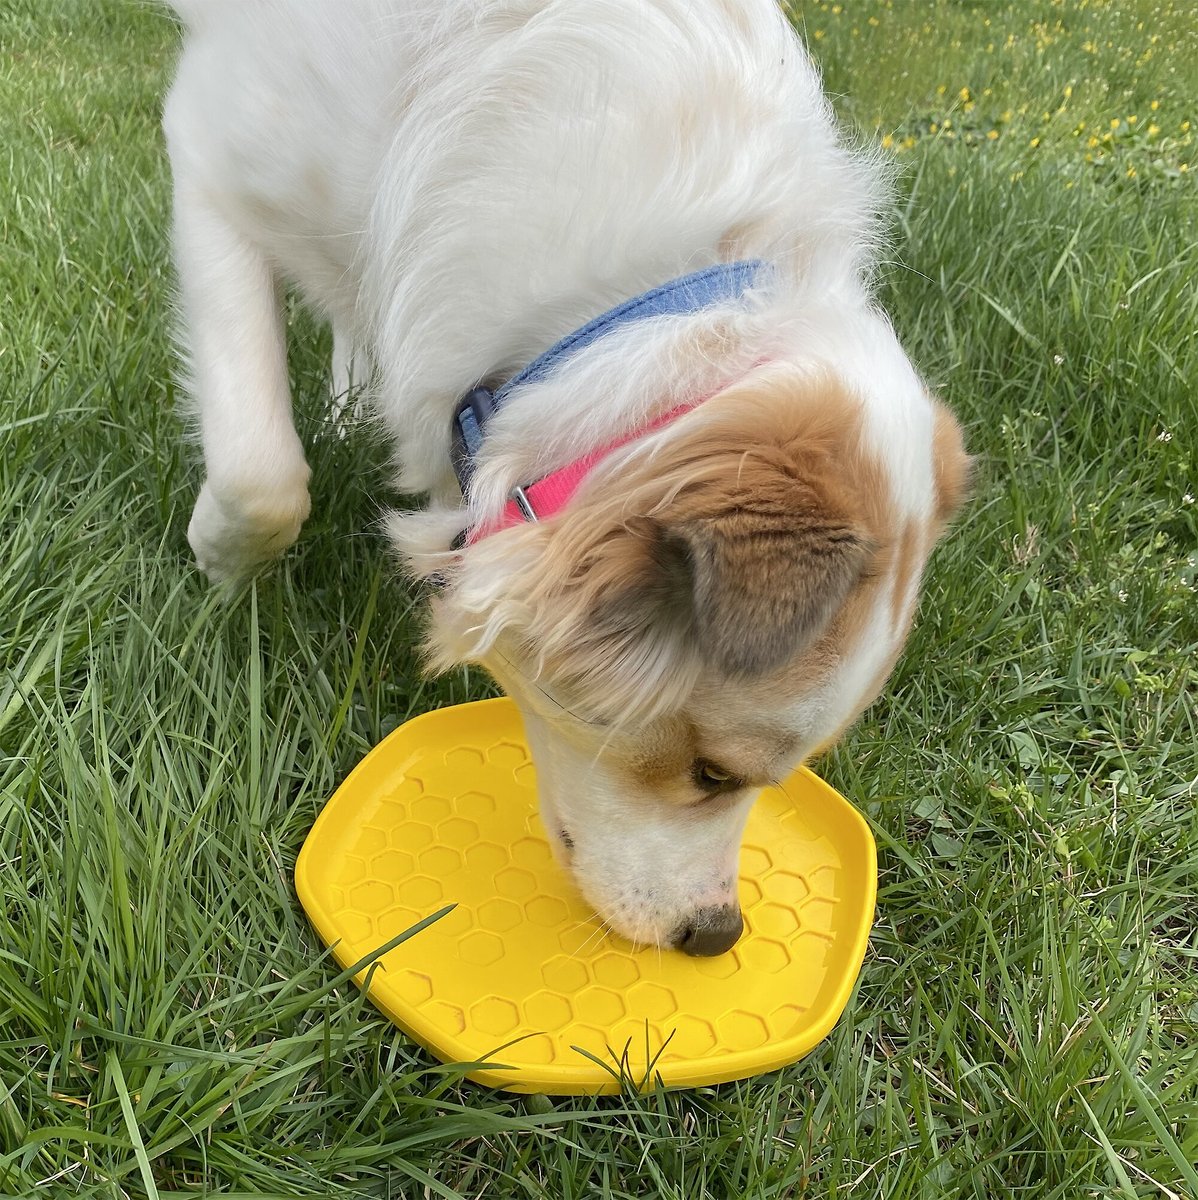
x=234, y=533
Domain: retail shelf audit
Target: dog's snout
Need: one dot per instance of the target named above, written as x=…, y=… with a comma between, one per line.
x=710, y=931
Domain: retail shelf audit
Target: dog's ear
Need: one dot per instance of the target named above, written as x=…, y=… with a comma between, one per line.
x=952, y=465
x=749, y=566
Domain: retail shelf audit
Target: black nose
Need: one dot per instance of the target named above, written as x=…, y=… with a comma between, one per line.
x=710, y=931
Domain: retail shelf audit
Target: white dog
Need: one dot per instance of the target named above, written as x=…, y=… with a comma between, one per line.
x=689, y=540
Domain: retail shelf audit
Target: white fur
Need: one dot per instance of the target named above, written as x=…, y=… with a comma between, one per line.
x=456, y=184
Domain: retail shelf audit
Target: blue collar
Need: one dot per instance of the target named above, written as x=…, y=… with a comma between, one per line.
x=686, y=294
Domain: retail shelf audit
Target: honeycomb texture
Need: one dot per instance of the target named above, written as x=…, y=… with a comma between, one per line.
x=443, y=812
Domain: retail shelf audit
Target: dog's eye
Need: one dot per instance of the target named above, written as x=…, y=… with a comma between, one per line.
x=713, y=779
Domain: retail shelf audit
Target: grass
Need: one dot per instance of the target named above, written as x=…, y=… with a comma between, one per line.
x=1026, y=1023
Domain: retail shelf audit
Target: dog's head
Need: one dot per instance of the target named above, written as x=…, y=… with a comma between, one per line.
x=711, y=608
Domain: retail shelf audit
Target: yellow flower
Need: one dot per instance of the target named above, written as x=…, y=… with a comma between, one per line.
x=963, y=94
x=933, y=127
x=992, y=135
x=887, y=141
x=968, y=106
x=1131, y=172
x=941, y=90
x=1185, y=127
x=1155, y=105
x=1035, y=142
x=1115, y=122
x=1132, y=119
x=1091, y=141
x=1183, y=167
x=1153, y=130
x=1068, y=90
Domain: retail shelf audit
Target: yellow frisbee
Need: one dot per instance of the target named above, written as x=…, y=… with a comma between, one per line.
x=518, y=979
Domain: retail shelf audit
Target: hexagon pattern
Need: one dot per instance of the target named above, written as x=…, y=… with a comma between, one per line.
x=443, y=812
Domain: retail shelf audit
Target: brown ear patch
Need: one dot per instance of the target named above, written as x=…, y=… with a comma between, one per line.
x=757, y=544
x=767, y=572
x=953, y=467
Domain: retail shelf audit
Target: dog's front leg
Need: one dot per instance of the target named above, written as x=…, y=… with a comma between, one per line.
x=255, y=496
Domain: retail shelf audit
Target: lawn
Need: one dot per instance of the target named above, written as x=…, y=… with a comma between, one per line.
x=1026, y=1022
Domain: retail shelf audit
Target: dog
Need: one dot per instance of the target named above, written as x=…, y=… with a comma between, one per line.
x=605, y=265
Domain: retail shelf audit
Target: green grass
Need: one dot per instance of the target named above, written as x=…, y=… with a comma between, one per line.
x=1027, y=1019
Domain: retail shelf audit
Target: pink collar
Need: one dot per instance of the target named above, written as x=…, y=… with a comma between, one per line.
x=548, y=496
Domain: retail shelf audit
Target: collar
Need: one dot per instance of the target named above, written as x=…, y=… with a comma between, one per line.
x=547, y=496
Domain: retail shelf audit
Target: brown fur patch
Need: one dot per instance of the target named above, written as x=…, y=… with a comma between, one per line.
x=952, y=465
x=659, y=757
x=759, y=536
x=908, y=562
x=897, y=561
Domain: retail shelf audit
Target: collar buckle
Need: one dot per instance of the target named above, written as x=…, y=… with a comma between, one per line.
x=519, y=497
